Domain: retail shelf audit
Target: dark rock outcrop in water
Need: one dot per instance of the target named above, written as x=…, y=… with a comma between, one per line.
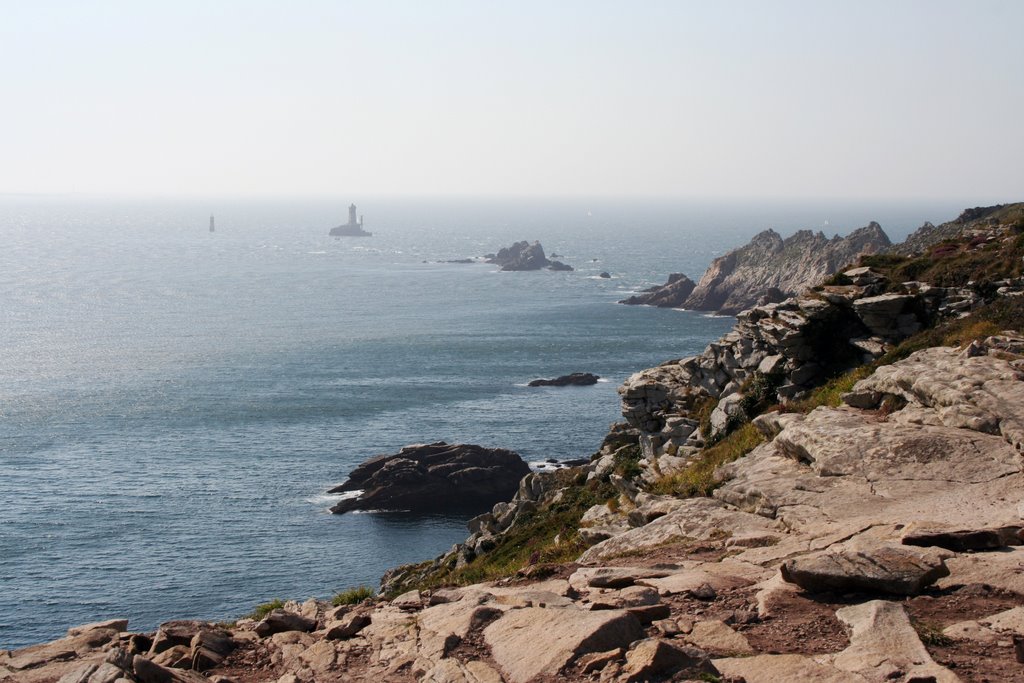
x=525, y=256
x=437, y=477
x=672, y=294
x=736, y=281
x=576, y=379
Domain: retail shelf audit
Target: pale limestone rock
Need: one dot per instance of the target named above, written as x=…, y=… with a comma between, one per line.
x=454, y=671
x=118, y=625
x=529, y=642
x=882, y=643
x=443, y=627
x=585, y=578
x=657, y=658
x=778, y=668
x=717, y=637
x=989, y=629
x=148, y=672
x=1000, y=569
x=347, y=626
x=411, y=600
x=719, y=576
x=696, y=519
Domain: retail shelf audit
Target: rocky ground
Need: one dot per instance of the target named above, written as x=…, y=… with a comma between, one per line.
x=855, y=544
x=871, y=537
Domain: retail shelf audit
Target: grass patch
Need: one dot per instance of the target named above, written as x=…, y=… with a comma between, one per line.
x=627, y=462
x=352, y=596
x=828, y=394
x=931, y=634
x=698, y=479
x=531, y=541
x=263, y=609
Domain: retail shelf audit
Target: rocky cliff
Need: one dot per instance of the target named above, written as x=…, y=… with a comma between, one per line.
x=833, y=491
x=769, y=268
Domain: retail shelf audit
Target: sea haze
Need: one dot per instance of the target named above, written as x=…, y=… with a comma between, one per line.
x=175, y=403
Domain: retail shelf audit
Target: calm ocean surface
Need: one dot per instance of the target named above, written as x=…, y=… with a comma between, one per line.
x=174, y=403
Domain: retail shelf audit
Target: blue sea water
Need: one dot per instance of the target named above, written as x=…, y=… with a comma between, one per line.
x=175, y=403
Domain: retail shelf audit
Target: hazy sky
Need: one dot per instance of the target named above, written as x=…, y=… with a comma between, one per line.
x=861, y=99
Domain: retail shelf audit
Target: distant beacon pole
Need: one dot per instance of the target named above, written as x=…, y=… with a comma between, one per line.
x=211, y=222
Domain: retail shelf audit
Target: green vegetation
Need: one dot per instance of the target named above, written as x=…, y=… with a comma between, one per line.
x=698, y=479
x=627, y=462
x=352, y=596
x=548, y=535
x=265, y=608
x=931, y=634
x=954, y=263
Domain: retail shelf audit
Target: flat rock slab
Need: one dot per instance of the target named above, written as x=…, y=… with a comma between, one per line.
x=719, y=576
x=716, y=636
x=695, y=519
x=530, y=642
x=779, y=668
x=613, y=577
x=884, y=646
x=893, y=569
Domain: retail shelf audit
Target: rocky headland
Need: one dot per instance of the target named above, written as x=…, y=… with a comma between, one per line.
x=525, y=256
x=437, y=477
x=767, y=269
x=834, y=491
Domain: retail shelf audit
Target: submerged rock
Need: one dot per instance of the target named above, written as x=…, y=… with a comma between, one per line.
x=437, y=477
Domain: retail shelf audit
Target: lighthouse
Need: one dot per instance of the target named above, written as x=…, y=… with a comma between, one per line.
x=211, y=222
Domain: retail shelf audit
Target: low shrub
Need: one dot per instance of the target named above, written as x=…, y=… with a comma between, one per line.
x=698, y=479
x=352, y=596
x=265, y=608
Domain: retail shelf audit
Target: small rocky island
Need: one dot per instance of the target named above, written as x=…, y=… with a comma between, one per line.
x=525, y=256
x=437, y=477
x=576, y=379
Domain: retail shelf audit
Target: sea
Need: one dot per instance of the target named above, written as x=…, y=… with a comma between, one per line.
x=175, y=403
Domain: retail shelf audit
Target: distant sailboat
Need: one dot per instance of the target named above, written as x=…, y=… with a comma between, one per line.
x=211, y=223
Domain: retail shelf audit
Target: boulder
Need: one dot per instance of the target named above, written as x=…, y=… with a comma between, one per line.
x=530, y=642
x=149, y=672
x=883, y=568
x=437, y=477
x=347, y=626
x=576, y=379
x=655, y=658
x=279, y=621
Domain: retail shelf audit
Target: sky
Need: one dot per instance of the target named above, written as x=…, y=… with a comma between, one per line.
x=888, y=99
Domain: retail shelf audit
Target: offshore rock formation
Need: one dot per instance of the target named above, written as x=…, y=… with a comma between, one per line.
x=437, y=477
x=766, y=270
x=576, y=379
x=525, y=256
x=672, y=294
